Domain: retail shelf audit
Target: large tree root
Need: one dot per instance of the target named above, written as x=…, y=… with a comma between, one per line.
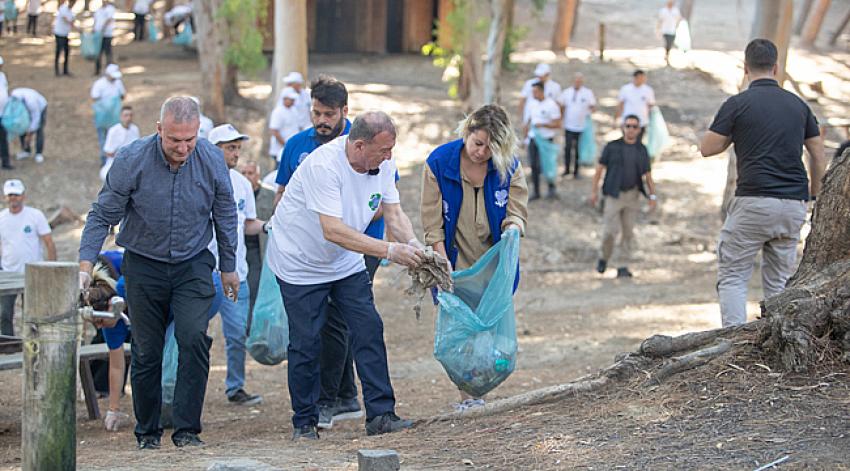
x=691, y=360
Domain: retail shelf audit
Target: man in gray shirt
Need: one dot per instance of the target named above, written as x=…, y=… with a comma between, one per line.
x=169, y=190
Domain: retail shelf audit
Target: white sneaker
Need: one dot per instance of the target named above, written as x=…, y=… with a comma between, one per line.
x=114, y=420
x=21, y=155
x=39, y=158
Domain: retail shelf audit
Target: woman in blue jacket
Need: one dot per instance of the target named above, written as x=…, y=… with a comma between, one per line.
x=473, y=189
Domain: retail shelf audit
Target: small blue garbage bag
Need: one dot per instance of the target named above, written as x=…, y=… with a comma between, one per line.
x=16, y=117
x=657, y=134
x=269, y=337
x=475, y=338
x=10, y=10
x=587, y=144
x=107, y=112
x=153, y=32
x=547, y=152
x=90, y=45
x=184, y=37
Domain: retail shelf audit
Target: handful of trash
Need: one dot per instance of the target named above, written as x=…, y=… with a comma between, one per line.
x=433, y=272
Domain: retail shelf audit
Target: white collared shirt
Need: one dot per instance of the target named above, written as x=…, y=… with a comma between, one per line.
x=577, y=104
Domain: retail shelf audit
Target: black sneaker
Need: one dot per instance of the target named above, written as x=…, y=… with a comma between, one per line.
x=148, y=443
x=623, y=272
x=187, y=439
x=347, y=409
x=326, y=417
x=387, y=423
x=240, y=397
x=601, y=265
x=305, y=432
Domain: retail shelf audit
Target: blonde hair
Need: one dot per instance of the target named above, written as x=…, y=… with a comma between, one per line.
x=503, y=142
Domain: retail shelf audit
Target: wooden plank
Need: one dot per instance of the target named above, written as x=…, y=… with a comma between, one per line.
x=11, y=283
x=98, y=351
x=87, y=382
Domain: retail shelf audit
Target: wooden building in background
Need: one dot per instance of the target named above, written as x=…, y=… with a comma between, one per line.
x=376, y=26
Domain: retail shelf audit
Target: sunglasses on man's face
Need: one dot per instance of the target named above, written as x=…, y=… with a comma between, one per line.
x=631, y=126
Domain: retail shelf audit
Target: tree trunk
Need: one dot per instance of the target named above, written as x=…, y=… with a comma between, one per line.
x=772, y=21
x=471, y=83
x=782, y=38
x=801, y=18
x=51, y=333
x=167, y=31
x=731, y=183
x=218, y=79
x=290, y=43
x=840, y=29
x=686, y=8
x=810, y=32
x=811, y=318
x=563, y=24
x=495, y=46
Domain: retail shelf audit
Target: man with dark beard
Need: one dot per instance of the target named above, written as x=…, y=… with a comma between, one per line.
x=328, y=114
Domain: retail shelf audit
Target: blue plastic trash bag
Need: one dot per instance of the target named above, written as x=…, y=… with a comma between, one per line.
x=269, y=337
x=107, y=112
x=16, y=117
x=683, y=36
x=475, y=337
x=657, y=134
x=10, y=10
x=184, y=37
x=153, y=32
x=90, y=45
x=587, y=144
x=547, y=152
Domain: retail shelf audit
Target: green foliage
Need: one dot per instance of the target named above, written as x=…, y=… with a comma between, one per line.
x=245, y=48
x=513, y=36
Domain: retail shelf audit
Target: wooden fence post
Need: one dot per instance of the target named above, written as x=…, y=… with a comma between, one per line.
x=51, y=331
x=601, y=42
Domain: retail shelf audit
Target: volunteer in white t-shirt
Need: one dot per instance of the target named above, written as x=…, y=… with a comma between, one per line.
x=22, y=231
x=117, y=137
x=62, y=25
x=543, y=119
x=635, y=98
x=4, y=96
x=104, y=23
x=37, y=107
x=551, y=88
x=140, y=10
x=295, y=81
x=316, y=249
x=285, y=122
x=234, y=315
x=577, y=102
x=33, y=9
x=668, y=20
x=103, y=90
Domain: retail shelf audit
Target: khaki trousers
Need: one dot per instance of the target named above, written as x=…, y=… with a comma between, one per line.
x=619, y=215
x=771, y=225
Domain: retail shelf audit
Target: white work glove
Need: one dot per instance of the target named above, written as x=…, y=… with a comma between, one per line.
x=414, y=242
x=85, y=280
x=404, y=254
x=512, y=226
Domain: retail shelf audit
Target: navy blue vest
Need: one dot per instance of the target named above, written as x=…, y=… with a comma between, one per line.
x=444, y=163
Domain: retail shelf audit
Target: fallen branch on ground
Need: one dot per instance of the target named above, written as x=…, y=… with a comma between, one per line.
x=691, y=360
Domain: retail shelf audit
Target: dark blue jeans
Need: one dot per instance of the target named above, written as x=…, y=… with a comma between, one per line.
x=306, y=307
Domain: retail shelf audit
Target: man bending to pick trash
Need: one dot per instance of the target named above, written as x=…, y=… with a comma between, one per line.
x=316, y=249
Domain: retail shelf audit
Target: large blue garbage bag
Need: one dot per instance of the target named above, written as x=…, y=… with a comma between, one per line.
x=269, y=337
x=10, y=10
x=107, y=112
x=547, y=151
x=16, y=117
x=153, y=31
x=90, y=45
x=475, y=338
x=184, y=37
x=587, y=144
x=657, y=134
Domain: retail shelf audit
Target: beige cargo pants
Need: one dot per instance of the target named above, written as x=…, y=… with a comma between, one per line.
x=771, y=225
x=618, y=216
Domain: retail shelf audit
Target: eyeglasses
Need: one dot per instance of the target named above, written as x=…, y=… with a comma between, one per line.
x=631, y=126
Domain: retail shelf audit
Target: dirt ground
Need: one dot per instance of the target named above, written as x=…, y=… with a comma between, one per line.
x=570, y=321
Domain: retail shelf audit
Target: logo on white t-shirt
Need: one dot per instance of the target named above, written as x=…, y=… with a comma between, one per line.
x=446, y=211
x=374, y=201
x=302, y=157
x=27, y=229
x=501, y=198
x=241, y=204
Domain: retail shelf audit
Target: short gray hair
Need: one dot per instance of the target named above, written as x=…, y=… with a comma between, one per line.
x=182, y=109
x=369, y=124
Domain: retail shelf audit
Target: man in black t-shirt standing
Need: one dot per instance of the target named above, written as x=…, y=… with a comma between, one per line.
x=625, y=163
x=769, y=127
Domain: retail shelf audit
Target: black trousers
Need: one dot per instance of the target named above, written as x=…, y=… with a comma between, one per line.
x=153, y=288
x=570, y=142
x=11, y=25
x=255, y=267
x=62, y=47
x=138, y=27
x=32, y=24
x=105, y=50
x=39, y=136
x=4, y=147
x=336, y=360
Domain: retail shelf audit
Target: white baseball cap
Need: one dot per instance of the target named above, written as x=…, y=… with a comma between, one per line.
x=293, y=77
x=13, y=187
x=542, y=69
x=113, y=71
x=225, y=133
x=290, y=93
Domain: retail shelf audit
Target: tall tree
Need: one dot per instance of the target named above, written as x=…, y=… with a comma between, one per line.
x=802, y=16
x=212, y=38
x=564, y=24
x=471, y=81
x=499, y=14
x=167, y=31
x=290, y=42
x=686, y=8
x=810, y=32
